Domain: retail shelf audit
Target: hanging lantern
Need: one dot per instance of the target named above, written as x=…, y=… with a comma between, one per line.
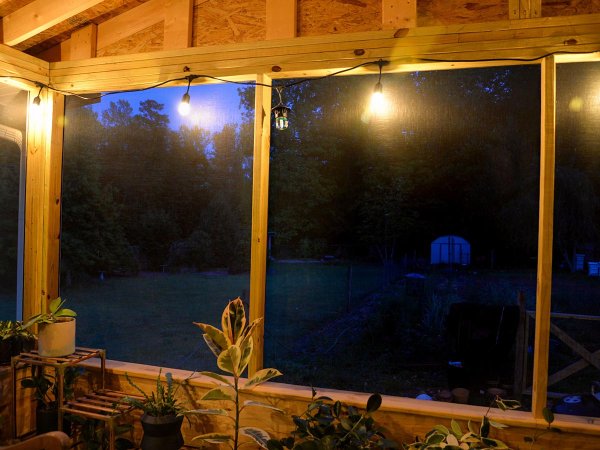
x=280, y=113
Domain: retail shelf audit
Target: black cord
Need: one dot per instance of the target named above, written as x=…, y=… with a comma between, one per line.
x=379, y=63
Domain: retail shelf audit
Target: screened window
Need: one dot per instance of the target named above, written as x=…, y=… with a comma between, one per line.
x=575, y=322
x=402, y=237
x=156, y=220
x=13, y=117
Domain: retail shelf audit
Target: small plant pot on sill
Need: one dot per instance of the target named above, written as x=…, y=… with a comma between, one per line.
x=161, y=433
x=57, y=338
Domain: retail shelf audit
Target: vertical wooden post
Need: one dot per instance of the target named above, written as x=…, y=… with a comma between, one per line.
x=83, y=43
x=544, y=269
x=260, y=200
x=282, y=19
x=42, y=203
x=399, y=13
x=178, y=25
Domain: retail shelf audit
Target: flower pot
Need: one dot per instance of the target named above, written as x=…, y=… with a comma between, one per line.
x=161, y=433
x=57, y=338
x=13, y=346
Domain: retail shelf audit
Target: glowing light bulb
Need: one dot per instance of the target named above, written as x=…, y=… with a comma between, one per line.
x=184, y=106
x=379, y=106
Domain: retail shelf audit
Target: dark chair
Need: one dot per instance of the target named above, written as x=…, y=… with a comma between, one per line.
x=53, y=440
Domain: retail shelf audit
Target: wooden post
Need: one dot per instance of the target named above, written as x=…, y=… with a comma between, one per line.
x=83, y=43
x=179, y=18
x=282, y=19
x=544, y=269
x=42, y=203
x=260, y=194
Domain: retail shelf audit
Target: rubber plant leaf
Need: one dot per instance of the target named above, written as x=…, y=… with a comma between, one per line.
x=262, y=376
x=220, y=393
x=217, y=377
x=246, y=348
x=229, y=360
x=259, y=436
x=456, y=430
x=55, y=305
x=214, y=338
x=213, y=438
x=262, y=405
x=233, y=321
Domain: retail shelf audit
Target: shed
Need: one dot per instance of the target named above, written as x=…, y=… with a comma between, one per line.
x=451, y=250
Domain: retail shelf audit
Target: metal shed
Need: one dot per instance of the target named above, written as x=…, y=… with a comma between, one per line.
x=450, y=250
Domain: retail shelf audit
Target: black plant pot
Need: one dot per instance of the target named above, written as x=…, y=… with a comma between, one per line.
x=162, y=433
x=47, y=420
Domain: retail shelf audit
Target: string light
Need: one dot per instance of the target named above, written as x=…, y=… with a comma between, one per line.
x=379, y=104
x=184, y=106
x=280, y=112
x=37, y=101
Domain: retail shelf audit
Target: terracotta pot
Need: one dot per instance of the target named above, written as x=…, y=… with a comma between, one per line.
x=57, y=339
x=461, y=395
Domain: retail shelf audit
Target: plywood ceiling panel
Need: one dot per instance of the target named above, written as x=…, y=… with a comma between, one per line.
x=8, y=6
x=148, y=40
x=316, y=17
x=448, y=12
x=229, y=21
x=554, y=8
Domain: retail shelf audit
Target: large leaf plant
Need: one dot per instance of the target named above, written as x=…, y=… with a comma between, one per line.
x=233, y=345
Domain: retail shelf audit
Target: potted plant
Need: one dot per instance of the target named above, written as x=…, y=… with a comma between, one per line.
x=330, y=425
x=45, y=392
x=162, y=414
x=233, y=346
x=474, y=437
x=56, y=330
x=14, y=339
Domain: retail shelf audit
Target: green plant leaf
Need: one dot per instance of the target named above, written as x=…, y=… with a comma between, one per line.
x=229, y=360
x=214, y=338
x=373, y=403
x=233, y=320
x=217, y=377
x=456, y=430
x=262, y=405
x=246, y=348
x=548, y=415
x=208, y=412
x=220, y=393
x=471, y=427
x=66, y=312
x=55, y=305
x=261, y=376
x=498, y=425
x=451, y=440
x=213, y=438
x=442, y=429
x=274, y=444
x=484, y=430
x=259, y=436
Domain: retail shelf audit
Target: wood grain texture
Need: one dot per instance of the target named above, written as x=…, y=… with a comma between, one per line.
x=544, y=266
x=436, y=12
x=399, y=13
x=553, y=8
x=281, y=19
x=98, y=14
x=338, y=16
x=219, y=22
x=144, y=41
x=178, y=23
x=83, y=43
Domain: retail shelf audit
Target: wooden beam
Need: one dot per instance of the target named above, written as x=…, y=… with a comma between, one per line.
x=399, y=14
x=83, y=43
x=19, y=64
x=42, y=203
x=314, y=56
x=40, y=15
x=282, y=19
x=130, y=22
x=260, y=194
x=546, y=208
x=179, y=21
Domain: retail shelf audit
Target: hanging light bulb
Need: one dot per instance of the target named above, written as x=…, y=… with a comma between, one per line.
x=379, y=105
x=37, y=101
x=280, y=112
x=184, y=107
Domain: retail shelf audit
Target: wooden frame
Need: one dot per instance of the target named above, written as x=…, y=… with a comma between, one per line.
x=458, y=46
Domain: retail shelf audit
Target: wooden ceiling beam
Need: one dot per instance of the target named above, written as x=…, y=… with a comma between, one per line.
x=40, y=15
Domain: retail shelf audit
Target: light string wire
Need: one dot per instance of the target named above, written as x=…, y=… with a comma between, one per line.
x=281, y=87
